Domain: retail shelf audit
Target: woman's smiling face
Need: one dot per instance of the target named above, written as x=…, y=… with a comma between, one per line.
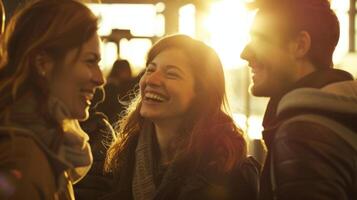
x=76, y=80
x=167, y=87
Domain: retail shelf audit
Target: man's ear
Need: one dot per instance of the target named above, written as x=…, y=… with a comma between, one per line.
x=44, y=64
x=301, y=44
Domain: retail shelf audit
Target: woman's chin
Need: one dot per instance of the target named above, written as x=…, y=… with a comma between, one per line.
x=81, y=116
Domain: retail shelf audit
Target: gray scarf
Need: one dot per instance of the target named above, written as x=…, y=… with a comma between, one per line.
x=75, y=150
x=143, y=181
x=146, y=167
x=73, y=153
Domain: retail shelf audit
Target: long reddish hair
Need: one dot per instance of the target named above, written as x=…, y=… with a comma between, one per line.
x=209, y=135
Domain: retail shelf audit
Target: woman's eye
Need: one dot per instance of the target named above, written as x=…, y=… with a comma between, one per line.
x=150, y=69
x=91, y=62
x=172, y=75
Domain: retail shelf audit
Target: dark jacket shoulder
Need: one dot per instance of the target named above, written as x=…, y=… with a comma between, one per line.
x=326, y=159
x=311, y=162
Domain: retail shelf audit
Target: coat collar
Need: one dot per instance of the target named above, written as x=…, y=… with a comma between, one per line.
x=310, y=98
x=317, y=79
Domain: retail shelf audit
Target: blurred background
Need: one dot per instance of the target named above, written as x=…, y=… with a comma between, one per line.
x=129, y=27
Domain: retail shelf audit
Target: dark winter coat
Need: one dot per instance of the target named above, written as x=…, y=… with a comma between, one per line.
x=316, y=160
x=311, y=161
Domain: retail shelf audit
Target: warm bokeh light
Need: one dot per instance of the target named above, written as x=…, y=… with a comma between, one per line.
x=254, y=124
x=255, y=127
x=228, y=24
x=160, y=7
x=139, y=18
x=341, y=8
x=135, y=51
x=142, y=20
x=160, y=25
x=187, y=23
x=109, y=55
x=340, y=4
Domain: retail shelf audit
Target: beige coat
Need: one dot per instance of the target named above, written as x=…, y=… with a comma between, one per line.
x=28, y=169
x=39, y=159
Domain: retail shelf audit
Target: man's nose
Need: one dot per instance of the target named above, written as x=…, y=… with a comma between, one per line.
x=246, y=53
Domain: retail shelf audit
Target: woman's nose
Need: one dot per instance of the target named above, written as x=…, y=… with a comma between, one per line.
x=98, y=77
x=154, y=78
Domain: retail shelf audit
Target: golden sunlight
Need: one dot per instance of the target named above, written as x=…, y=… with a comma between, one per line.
x=228, y=25
x=109, y=55
x=341, y=8
x=135, y=51
x=187, y=24
x=141, y=19
x=253, y=126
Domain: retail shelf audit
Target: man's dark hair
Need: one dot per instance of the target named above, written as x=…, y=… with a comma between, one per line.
x=313, y=16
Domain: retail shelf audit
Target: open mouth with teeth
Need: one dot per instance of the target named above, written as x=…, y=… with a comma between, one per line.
x=152, y=97
x=87, y=95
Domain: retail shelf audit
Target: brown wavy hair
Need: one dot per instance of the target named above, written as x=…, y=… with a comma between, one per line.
x=53, y=27
x=209, y=135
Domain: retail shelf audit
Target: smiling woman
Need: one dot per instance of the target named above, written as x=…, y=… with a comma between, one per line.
x=77, y=78
x=176, y=140
x=48, y=74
